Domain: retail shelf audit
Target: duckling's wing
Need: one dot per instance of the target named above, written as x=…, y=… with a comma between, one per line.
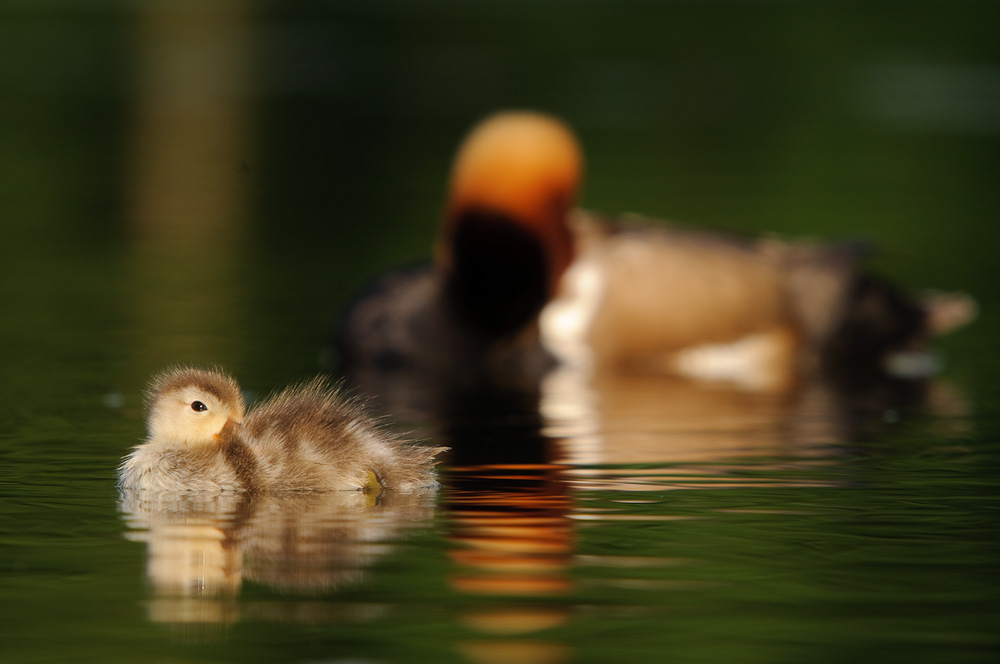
x=410, y=466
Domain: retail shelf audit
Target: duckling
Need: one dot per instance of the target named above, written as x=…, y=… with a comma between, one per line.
x=305, y=438
x=520, y=272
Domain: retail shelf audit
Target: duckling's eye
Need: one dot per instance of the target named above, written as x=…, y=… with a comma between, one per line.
x=198, y=406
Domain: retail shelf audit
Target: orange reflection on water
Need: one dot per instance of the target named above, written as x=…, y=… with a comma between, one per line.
x=511, y=527
x=511, y=537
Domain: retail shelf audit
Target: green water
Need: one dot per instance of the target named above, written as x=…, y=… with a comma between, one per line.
x=185, y=184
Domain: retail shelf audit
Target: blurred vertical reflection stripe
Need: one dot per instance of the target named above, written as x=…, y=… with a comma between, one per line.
x=188, y=184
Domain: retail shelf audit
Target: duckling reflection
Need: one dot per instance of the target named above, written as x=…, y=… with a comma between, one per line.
x=202, y=548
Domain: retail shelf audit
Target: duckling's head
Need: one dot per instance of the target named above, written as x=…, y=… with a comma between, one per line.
x=505, y=239
x=191, y=406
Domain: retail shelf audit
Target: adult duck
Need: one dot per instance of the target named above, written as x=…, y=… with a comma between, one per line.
x=520, y=276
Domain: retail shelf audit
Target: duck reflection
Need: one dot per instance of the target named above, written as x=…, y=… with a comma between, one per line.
x=664, y=427
x=509, y=514
x=519, y=458
x=511, y=529
x=201, y=548
x=581, y=420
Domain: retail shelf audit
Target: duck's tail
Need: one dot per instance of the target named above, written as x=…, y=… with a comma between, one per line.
x=947, y=312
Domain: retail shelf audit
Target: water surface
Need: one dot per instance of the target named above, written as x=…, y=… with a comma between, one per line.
x=210, y=184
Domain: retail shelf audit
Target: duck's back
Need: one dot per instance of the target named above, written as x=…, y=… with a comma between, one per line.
x=394, y=321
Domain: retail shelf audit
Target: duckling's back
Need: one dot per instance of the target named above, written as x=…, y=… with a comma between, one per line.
x=310, y=437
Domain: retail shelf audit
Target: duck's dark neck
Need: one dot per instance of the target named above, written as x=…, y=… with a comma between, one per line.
x=498, y=280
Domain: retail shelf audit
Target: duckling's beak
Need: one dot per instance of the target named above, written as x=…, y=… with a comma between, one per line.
x=230, y=427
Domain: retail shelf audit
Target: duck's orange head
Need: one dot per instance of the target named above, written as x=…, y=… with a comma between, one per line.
x=504, y=235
